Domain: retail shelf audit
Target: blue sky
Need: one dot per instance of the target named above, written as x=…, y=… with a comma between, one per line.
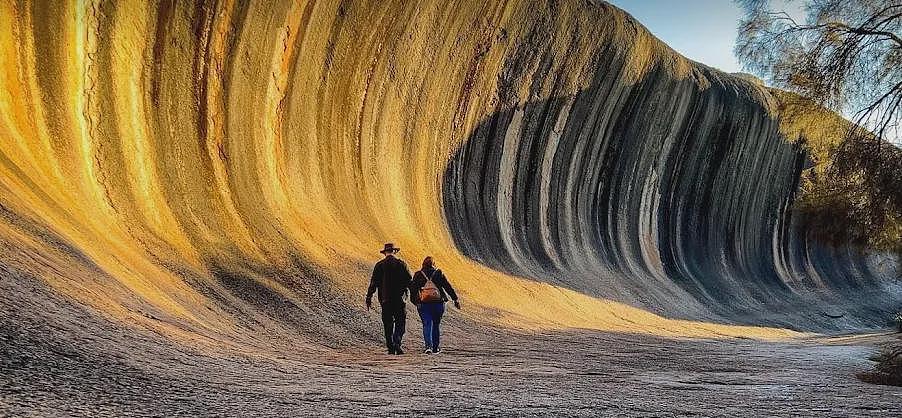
x=701, y=30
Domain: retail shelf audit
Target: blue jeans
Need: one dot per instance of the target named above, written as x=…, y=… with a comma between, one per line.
x=431, y=315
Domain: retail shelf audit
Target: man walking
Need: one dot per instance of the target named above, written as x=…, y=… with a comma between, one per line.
x=391, y=279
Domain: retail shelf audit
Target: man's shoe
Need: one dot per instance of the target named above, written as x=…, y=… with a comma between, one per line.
x=398, y=350
x=437, y=351
x=427, y=351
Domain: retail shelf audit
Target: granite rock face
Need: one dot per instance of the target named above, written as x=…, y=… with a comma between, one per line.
x=219, y=166
x=669, y=188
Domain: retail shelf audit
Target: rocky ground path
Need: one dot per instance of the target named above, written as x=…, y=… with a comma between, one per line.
x=58, y=359
x=570, y=373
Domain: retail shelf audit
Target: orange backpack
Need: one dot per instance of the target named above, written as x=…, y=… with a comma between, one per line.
x=430, y=292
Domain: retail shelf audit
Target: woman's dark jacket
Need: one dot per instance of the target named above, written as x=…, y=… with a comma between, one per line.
x=441, y=282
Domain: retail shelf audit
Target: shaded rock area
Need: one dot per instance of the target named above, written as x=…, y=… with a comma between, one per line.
x=635, y=185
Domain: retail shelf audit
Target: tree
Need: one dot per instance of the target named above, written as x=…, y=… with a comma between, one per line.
x=845, y=56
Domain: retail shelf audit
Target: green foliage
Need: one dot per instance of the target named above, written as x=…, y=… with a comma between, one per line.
x=851, y=193
x=856, y=198
x=888, y=370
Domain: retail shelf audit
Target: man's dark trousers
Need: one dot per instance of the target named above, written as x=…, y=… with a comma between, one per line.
x=393, y=319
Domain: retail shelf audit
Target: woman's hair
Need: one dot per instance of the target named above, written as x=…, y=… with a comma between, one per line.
x=427, y=262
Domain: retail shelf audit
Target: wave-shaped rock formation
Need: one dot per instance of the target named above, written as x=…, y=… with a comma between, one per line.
x=219, y=167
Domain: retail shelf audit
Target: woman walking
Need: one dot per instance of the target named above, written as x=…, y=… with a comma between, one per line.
x=430, y=290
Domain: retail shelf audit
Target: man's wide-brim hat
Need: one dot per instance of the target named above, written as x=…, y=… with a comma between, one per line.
x=390, y=248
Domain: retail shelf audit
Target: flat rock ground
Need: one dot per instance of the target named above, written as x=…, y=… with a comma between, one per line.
x=56, y=359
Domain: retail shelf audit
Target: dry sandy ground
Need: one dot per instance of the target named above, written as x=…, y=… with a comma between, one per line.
x=59, y=360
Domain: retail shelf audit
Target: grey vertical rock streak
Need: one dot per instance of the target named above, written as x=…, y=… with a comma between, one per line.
x=670, y=194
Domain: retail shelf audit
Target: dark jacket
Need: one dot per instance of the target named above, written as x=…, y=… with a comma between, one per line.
x=441, y=282
x=391, y=278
